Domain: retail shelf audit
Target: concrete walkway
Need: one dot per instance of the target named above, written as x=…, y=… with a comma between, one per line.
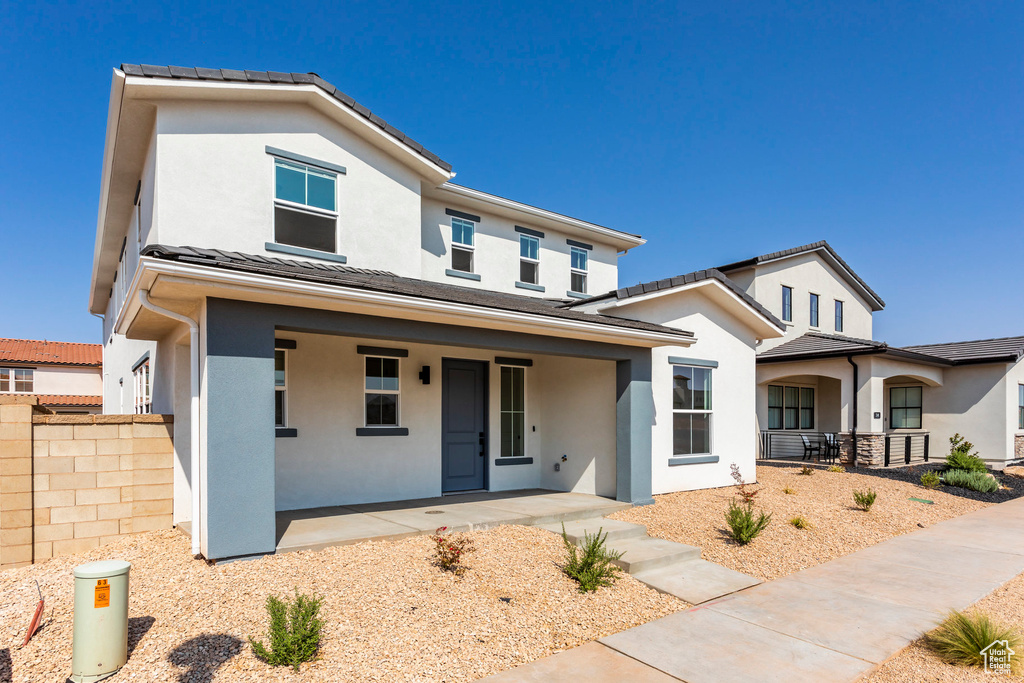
x=833, y=622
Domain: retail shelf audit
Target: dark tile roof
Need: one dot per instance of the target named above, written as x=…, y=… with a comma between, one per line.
x=857, y=280
x=825, y=345
x=44, y=352
x=1008, y=349
x=382, y=281
x=688, y=278
x=270, y=77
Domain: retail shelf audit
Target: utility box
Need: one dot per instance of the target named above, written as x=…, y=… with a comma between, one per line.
x=100, y=645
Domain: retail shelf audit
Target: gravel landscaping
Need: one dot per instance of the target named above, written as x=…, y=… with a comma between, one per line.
x=390, y=615
x=824, y=499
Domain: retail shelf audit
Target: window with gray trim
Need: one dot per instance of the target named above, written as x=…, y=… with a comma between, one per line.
x=839, y=315
x=382, y=391
x=18, y=380
x=463, y=244
x=691, y=410
x=790, y=407
x=787, y=304
x=513, y=412
x=280, y=388
x=305, y=206
x=814, y=310
x=578, y=270
x=529, y=259
x=905, y=407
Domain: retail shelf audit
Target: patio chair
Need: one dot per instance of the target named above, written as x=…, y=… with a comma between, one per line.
x=810, y=448
x=831, y=446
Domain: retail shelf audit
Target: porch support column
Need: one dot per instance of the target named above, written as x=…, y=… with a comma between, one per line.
x=634, y=418
x=238, y=476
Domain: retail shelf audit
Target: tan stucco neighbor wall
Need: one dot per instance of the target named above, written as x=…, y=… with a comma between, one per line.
x=69, y=483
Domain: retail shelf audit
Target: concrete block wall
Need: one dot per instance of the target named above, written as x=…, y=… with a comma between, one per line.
x=69, y=483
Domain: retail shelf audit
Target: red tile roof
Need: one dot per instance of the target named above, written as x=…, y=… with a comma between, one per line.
x=50, y=352
x=69, y=400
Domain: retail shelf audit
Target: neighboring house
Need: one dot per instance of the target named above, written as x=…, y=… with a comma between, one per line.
x=66, y=377
x=332, y=321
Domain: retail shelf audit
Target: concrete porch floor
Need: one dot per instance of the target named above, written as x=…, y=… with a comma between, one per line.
x=318, y=528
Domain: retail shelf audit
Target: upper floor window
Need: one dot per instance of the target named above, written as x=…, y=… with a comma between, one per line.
x=143, y=389
x=529, y=259
x=280, y=388
x=463, y=234
x=905, y=407
x=691, y=410
x=305, y=206
x=787, y=303
x=790, y=407
x=814, y=310
x=839, y=316
x=578, y=271
x=19, y=380
x=381, y=392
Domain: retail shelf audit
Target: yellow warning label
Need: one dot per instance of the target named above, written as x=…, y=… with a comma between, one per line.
x=102, y=594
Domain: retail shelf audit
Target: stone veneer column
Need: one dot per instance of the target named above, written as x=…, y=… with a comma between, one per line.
x=870, y=449
x=1018, y=446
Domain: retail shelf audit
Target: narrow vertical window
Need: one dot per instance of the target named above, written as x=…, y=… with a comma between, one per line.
x=280, y=388
x=1020, y=391
x=814, y=310
x=787, y=304
x=691, y=410
x=806, y=408
x=382, y=392
x=143, y=389
x=839, y=316
x=775, y=405
x=463, y=238
x=578, y=276
x=529, y=259
x=905, y=407
x=513, y=412
x=5, y=380
x=305, y=207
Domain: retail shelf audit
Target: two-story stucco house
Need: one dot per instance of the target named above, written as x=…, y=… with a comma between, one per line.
x=333, y=321
x=65, y=377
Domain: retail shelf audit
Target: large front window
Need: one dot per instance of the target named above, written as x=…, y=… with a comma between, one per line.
x=790, y=407
x=578, y=276
x=513, y=412
x=382, y=392
x=305, y=206
x=529, y=259
x=905, y=407
x=691, y=410
x=20, y=380
x=463, y=237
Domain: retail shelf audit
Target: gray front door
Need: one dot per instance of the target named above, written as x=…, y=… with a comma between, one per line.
x=463, y=424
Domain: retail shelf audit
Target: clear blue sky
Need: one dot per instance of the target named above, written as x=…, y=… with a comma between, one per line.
x=717, y=130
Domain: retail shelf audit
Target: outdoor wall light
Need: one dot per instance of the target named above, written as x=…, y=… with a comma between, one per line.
x=425, y=374
x=565, y=458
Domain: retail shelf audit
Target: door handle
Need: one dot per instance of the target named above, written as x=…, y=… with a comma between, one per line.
x=483, y=443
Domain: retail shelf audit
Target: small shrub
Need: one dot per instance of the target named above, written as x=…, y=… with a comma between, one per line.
x=975, y=481
x=592, y=565
x=836, y=468
x=294, y=635
x=960, y=456
x=865, y=499
x=744, y=493
x=743, y=526
x=931, y=480
x=806, y=471
x=449, y=550
x=789, y=491
x=800, y=522
x=961, y=638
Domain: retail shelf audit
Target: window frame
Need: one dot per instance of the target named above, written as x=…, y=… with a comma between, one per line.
x=282, y=389
x=799, y=410
x=906, y=406
x=142, y=379
x=501, y=411
x=839, y=315
x=787, y=304
x=297, y=207
x=535, y=241
x=582, y=272
x=12, y=380
x=395, y=392
x=708, y=411
x=469, y=248
x=814, y=310
x=1020, y=406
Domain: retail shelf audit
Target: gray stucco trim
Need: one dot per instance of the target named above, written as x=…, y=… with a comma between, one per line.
x=308, y=253
x=382, y=431
x=698, y=362
x=285, y=432
x=458, y=273
x=692, y=460
x=140, y=361
x=513, y=461
x=634, y=416
x=462, y=214
x=382, y=351
x=581, y=245
x=302, y=159
x=518, y=362
x=530, y=231
x=576, y=295
x=530, y=286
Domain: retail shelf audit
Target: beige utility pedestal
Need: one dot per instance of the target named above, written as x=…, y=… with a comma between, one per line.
x=100, y=645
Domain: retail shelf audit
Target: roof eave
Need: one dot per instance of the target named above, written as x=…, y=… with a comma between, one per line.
x=97, y=304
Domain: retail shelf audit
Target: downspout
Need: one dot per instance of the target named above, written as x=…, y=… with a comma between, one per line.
x=853, y=426
x=193, y=328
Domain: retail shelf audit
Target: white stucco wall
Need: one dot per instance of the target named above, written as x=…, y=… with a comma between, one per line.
x=570, y=403
x=59, y=379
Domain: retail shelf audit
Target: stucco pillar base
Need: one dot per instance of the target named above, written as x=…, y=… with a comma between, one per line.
x=870, y=449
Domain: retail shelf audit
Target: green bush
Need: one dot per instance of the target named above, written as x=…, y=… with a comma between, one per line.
x=976, y=481
x=836, y=468
x=960, y=456
x=743, y=526
x=961, y=638
x=806, y=471
x=294, y=631
x=800, y=522
x=931, y=480
x=592, y=565
x=865, y=499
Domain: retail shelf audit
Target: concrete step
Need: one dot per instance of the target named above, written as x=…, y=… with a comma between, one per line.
x=577, y=529
x=643, y=553
x=695, y=581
